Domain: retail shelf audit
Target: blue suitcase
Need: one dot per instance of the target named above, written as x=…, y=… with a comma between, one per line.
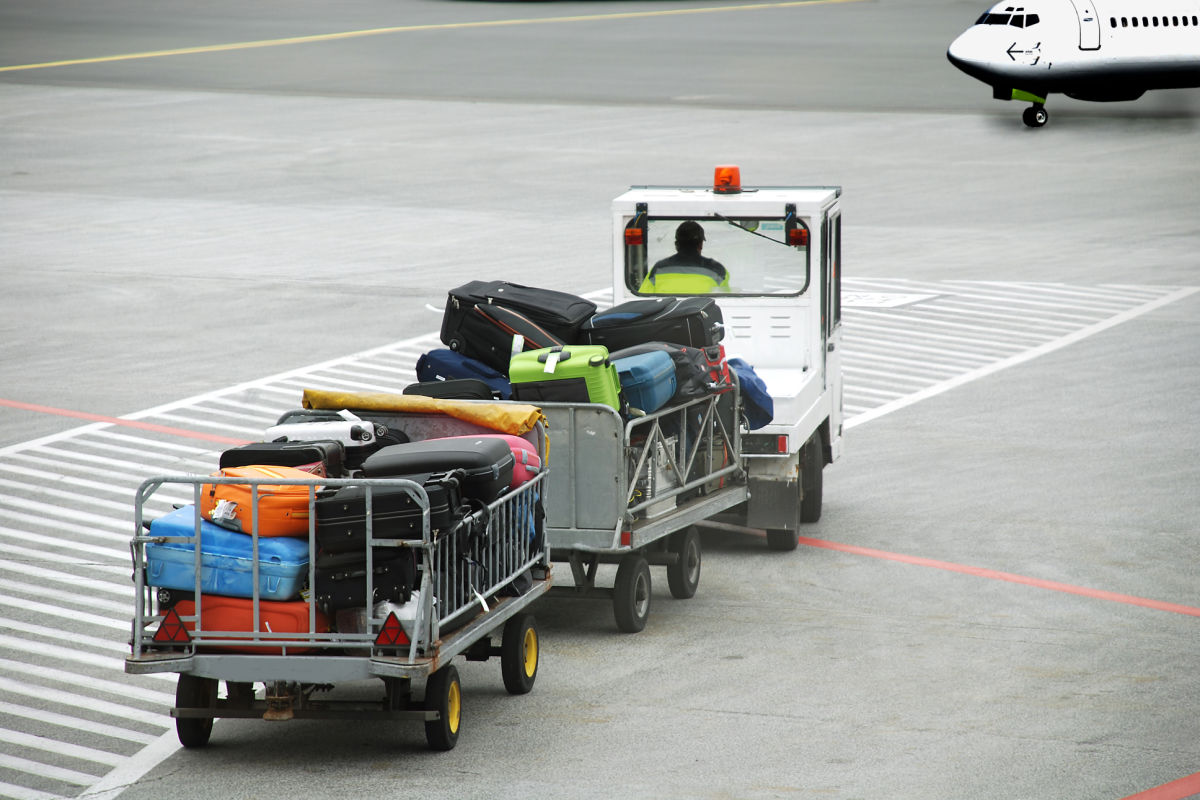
x=225, y=559
x=444, y=365
x=647, y=379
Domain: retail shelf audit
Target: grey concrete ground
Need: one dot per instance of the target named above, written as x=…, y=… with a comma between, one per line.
x=178, y=225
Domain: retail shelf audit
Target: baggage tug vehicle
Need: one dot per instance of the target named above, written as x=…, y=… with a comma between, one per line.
x=630, y=493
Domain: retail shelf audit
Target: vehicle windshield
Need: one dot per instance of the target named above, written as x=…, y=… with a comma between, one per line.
x=737, y=256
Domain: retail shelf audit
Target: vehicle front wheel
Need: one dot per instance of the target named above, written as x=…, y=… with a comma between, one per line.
x=683, y=575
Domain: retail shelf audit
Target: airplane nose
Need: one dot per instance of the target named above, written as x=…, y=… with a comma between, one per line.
x=964, y=54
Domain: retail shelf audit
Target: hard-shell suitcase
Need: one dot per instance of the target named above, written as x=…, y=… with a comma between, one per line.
x=341, y=578
x=570, y=374
x=526, y=461
x=282, y=508
x=691, y=367
x=487, y=462
x=324, y=458
x=559, y=313
x=647, y=379
x=453, y=389
x=691, y=321
x=236, y=614
x=342, y=514
x=359, y=436
x=226, y=560
x=443, y=365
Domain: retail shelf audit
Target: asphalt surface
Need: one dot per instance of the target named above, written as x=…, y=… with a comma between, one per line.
x=178, y=224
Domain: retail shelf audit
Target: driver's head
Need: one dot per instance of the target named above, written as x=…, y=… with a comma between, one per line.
x=689, y=237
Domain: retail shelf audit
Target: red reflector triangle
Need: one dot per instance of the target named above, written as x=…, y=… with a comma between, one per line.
x=392, y=633
x=171, y=630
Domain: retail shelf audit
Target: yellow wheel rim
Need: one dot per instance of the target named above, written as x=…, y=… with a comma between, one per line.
x=453, y=706
x=531, y=652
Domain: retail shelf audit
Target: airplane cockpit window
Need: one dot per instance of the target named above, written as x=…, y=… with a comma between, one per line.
x=1010, y=16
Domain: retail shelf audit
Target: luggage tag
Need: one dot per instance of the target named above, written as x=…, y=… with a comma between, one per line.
x=518, y=345
x=551, y=362
x=225, y=513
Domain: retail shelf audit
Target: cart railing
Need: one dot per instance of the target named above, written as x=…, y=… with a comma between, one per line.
x=490, y=550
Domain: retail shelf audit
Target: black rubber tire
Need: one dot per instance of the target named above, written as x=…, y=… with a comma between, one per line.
x=519, y=654
x=631, y=594
x=812, y=470
x=194, y=692
x=443, y=693
x=683, y=576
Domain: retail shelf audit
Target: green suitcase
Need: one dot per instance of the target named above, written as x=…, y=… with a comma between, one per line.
x=573, y=373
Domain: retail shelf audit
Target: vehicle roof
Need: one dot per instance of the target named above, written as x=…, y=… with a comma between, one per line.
x=669, y=200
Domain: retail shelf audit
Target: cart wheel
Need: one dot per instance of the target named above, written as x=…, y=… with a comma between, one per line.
x=443, y=694
x=782, y=539
x=194, y=692
x=683, y=576
x=811, y=473
x=631, y=595
x=519, y=654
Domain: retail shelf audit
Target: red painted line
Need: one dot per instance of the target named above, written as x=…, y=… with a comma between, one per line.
x=1175, y=790
x=981, y=572
x=127, y=423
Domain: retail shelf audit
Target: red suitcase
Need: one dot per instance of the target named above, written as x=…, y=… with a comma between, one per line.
x=236, y=614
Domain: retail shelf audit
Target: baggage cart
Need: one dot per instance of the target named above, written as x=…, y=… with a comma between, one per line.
x=630, y=493
x=475, y=584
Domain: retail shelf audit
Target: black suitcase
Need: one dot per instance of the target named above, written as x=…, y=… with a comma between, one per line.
x=360, y=437
x=341, y=578
x=690, y=321
x=342, y=517
x=542, y=312
x=330, y=455
x=453, y=389
x=487, y=462
x=692, y=378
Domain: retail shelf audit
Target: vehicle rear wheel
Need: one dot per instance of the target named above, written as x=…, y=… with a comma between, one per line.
x=631, y=594
x=812, y=468
x=194, y=692
x=683, y=575
x=519, y=654
x=443, y=694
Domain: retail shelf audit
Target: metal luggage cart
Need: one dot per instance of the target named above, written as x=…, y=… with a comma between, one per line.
x=630, y=494
x=469, y=589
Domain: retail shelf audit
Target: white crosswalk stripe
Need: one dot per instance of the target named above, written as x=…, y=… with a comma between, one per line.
x=65, y=499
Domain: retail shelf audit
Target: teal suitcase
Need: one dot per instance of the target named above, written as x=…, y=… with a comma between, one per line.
x=573, y=373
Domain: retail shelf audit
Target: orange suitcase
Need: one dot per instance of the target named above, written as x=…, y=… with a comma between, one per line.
x=282, y=509
x=236, y=614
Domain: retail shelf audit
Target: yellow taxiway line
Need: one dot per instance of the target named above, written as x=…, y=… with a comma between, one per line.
x=445, y=26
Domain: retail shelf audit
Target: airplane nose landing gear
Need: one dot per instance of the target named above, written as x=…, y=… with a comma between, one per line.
x=1035, y=116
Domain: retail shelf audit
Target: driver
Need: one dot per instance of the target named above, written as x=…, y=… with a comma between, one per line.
x=688, y=271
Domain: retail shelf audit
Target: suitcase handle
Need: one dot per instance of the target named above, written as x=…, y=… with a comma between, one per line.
x=565, y=355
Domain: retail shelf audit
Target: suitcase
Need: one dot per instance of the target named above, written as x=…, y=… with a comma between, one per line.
x=444, y=365
x=453, y=389
x=570, y=374
x=226, y=560
x=647, y=379
x=342, y=514
x=559, y=313
x=282, y=509
x=324, y=458
x=691, y=367
x=341, y=578
x=690, y=321
x=526, y=461
x=358, y=436
x=234, y=614
x=492, y=333
x=487, y=462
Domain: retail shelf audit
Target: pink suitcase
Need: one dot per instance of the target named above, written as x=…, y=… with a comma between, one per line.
x=528, y=462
